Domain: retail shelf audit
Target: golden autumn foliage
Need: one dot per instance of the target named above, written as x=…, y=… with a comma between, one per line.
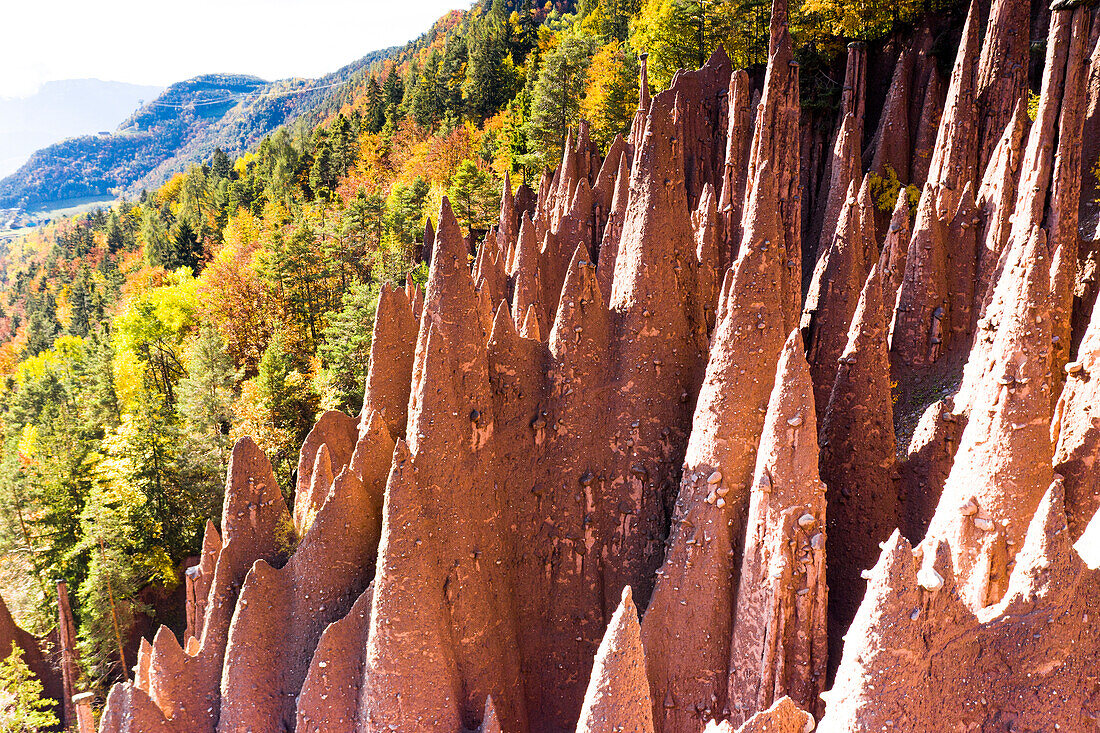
x=612, y=93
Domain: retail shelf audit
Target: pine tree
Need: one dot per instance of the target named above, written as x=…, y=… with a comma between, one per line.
x=375, y=117
x=473, y=194
x=452, y=74
x=80, y=301
x=427, y=102
x=22, y=707
x=555, y=104
x=345, y=349
x=490, y=79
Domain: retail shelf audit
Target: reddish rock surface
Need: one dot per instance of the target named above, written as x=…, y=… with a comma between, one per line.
x=198, y=579
x=686, y=629
x=618, y=696
x=734, y=178
x=1003, y=462
x=1002, y=72
x=858, y=460
x=913, y=608
x=1075, y=431
x=391, y=358
x=779, y=641
x=614, y=406
x=782, y=717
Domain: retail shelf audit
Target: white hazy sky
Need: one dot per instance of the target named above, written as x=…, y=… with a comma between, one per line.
x=164, y=41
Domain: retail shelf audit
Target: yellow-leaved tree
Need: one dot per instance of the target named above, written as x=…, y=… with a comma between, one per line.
x=612, y=92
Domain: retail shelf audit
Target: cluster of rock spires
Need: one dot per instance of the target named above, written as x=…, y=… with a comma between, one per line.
x=838, y=460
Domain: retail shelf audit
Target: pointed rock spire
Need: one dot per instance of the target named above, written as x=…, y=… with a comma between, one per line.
x=336, y=433
x=955, y=157
x=704, y=221
x=1065, y=195
x=528, y=288
x=256, y=525
x=1002, y=72
x=429, y=241
x=895, y=248
x=995, y=200
x=686, y=629
x=654, y=299
x=735, y=176
x=531, y=328
x=1004, y=461
x=609, y=245
x=891, y=146
x=858, y=459
x=307, y=503
x=637, y=126
x=776, y=140
x=844, y=163
x=391, y=360
x=198, y=580
x=129, y=709
x=1038, y=162
x=835, y=288
x=489, y=272
x=1075, y=429
x=618, y=697
x=700, y=113
x=1043, y=562
x=451, y=307
x=412, y=678
x=603, y=190
x=928, y=126
x=282, y=612
x=1032, y=194
x=917, y=330
x=330, y=693
x=887, y=629
x=489, y=722
x=779, y=632
x=507, y=222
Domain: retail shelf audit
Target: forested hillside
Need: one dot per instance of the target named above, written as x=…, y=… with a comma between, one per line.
x=238, y=298
x=181, y=127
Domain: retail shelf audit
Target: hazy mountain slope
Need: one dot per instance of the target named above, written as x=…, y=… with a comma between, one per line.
x=180, y=127
x=63, y=109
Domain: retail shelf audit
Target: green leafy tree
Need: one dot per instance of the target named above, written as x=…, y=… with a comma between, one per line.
x=22, y=707
x=556, y=101
x=473, y=196
x=80, y=301
x=452, y=75
x=490, y=75
x=609, y=19
x=405, y=217
x=345, y=349
x=375, y=116
x=288, y=400
x=427, y=101
x=158, y=248
x=187, y=250
x=206, y=397
x=681, y=34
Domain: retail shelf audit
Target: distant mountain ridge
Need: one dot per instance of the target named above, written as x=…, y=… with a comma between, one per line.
x=63, y=109
x=180, y=127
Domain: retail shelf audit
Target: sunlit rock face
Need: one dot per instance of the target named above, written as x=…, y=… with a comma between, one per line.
x=635, y=465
